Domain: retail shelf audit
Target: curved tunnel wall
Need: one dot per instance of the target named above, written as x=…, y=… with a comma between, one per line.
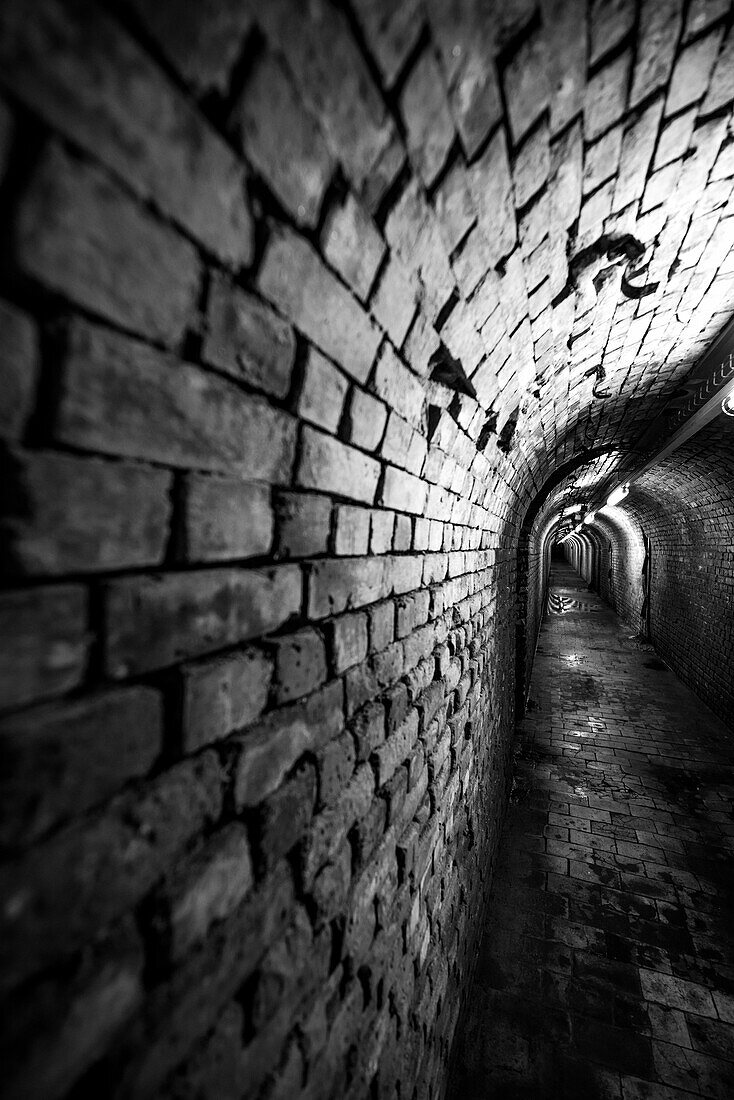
x=300, y=314
x=684, y=506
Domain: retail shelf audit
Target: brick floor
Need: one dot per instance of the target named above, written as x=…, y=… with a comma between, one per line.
x=607, y=966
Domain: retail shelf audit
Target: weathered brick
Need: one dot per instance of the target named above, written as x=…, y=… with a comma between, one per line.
x=394, y=300
x=532, y=166
x=382, y=626
x=430, y=129
x=378, y=879
x=466, y=36
x=406, y=573
x=348, y=641
x=609, y=23
x=294, y=966
x=395, y=793
x=94, y=871
x=86, y=77
x=333, y=467
x=366, y=417
x=282, y=819
x=491, y=187
x=369, y=831
x=202, y=890
x=566, y=174
x=402, y=491
x=385, y=170
x=390, y=31
x=721, y=86
x=64, y=514
x=304, y=290
x=367, y=680
x=602, y=159
x=454, y=206
x=412, y=611
x=382, y=525
x=48, y=654
x=353, y=246
x=330, y=827
x=388, y=756
x=403, y=446
x=184, y=1010
x=18, y=370
x=368, y=729
x=300, y=664
x=566, y=40
x=224, y=518
x=692, y=71
x=248, y=340
x=324, y=390
x=121, y=397
x=60, y=759
x=223, y=694
x=282, y=139
x=154, y=621
x=269, y=750
x=80, y=235
x=396, y=707
x=344, y=584
x=331, y=884
x=398, y=386
x=352, y=530
x=674, y=139
x=403, y=537
x=335, y=764
x=606, y=95
x=526, y=85
x=334, y=81
x=639, y=139
x=660, y=22
x=303, y=524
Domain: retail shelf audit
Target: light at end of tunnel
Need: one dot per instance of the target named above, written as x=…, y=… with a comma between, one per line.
x=590, y=518
x=618, y=494
x=727, y=405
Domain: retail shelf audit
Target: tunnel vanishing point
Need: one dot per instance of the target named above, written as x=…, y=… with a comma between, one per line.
x=328, y=329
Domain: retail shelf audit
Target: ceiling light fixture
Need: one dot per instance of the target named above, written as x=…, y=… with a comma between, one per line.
x=727, y=405
x=617, y=495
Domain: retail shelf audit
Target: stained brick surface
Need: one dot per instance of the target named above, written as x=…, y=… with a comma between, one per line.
x=304, y=306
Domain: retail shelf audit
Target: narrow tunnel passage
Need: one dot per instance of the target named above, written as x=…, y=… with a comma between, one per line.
x=322, y=322
x=607, y=962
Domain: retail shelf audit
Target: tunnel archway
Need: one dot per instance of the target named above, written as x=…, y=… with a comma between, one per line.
x=671, y=543
x=322, y=321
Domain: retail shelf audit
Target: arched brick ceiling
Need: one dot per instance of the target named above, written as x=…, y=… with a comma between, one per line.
x=563, y=216
x=538, y=192
x=690, y=492
x=693, y=486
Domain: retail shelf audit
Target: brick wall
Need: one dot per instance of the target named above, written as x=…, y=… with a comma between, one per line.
x=622, y=564
x=259, y=693
x=685, y=506
x=536, y=559
x=303, y=306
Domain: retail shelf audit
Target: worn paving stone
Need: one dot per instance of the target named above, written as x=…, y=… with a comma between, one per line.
x=603, y=971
